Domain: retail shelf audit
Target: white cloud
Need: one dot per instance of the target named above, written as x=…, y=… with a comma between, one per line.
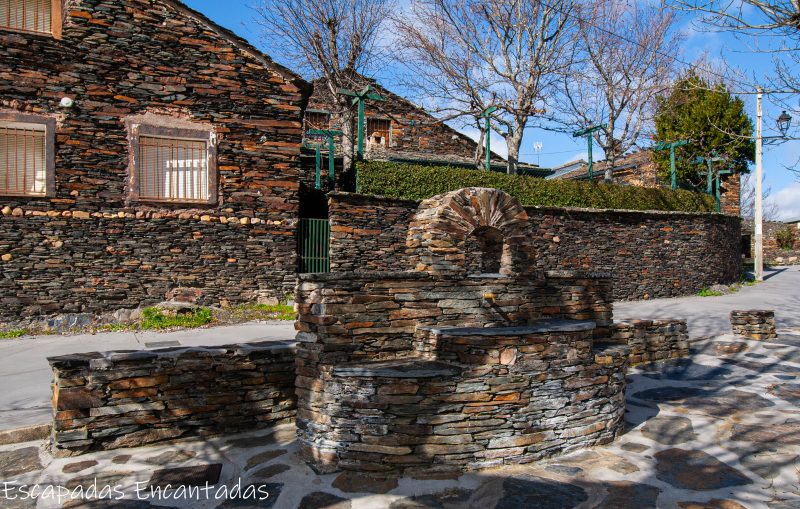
x=788, y=201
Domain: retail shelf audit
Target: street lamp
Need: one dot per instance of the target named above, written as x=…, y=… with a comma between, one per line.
x=784, y=121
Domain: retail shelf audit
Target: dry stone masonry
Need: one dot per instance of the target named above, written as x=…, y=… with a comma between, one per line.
x=473, y=359
x=648, y=254
x=754, y=324
x=126, y=399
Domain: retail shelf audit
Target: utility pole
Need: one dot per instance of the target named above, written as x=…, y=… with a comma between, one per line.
x=672, y=146
x=359, y=98
x=757, y=227
x=588, y=133
x=487, y=115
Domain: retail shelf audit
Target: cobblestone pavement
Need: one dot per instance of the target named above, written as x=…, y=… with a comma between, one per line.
x=721, y=431
x=709, y=316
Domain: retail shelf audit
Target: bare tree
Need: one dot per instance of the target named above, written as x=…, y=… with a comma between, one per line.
x=624, y=59
x=472, y=54
x=748, y=200
x=776, y=23
x=336, y=40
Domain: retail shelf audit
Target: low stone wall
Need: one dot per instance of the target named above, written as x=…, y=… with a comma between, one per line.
x=127, y=399
x=649, y=254
x=754, y=324
x=651, y=340
x=90, y=264
x=504, y=396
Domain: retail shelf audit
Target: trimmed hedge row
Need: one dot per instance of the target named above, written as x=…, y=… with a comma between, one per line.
x=417, y=182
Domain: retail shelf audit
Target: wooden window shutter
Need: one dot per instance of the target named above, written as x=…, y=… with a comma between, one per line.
x=23, y=159
x=171, y=169
x=27, y=15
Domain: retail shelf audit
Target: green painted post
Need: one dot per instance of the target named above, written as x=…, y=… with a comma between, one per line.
x=318, y=165
x=361, y=129
x=488, y=163
x=588, y=133
x=359, y=98
x=330, y=135
x=487, y=114
x=709, y=177
x=331, y=160
x=672, y=146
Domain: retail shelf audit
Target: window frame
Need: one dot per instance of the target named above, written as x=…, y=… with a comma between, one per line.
x=56, y=23
x=381, y=119
x=49, y=124
x=136, y=130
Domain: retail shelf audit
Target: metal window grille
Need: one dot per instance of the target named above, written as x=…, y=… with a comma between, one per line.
x=314, y=244
x=172, y=169
x=23, y=159
x=27, y=15
x=379, y=130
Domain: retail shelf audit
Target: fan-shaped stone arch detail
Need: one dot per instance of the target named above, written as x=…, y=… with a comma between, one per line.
x=447, y=230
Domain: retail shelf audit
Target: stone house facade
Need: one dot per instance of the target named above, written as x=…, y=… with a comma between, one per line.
x=143, y=149
x=638, y=169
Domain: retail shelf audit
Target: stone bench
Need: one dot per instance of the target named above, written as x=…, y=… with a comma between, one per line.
x=754, y=324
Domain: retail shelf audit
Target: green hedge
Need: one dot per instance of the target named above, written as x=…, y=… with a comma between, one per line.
x=417, y=182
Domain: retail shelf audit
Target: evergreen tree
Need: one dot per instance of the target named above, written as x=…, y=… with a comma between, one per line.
x=714, y=122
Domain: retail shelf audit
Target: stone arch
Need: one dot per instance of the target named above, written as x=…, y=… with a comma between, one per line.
x=449, y=225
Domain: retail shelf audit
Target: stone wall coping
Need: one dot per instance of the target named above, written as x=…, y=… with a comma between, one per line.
x=389, y=201
x=554, y=325
x=406, y=368
x=372, y=199
x=100, y=360
x=400, y=275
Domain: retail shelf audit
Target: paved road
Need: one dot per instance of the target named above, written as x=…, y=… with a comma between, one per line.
x=25, y=374
x=708, y=316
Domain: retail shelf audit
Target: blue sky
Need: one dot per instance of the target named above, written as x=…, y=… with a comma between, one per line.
x=237, y=15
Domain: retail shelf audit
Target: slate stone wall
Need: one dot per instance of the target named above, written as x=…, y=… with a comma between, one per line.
x=92, y=264
x=651, y=340
x=648, y=254
x=773, y=253
x=127, y=399
x=157, y=62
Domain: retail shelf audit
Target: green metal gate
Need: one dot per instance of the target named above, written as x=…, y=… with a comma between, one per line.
x=313, y=245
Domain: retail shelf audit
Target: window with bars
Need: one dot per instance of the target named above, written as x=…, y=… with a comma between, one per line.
x=26, y=159
x=28, y=15
x=379, y=131
x=172, y=169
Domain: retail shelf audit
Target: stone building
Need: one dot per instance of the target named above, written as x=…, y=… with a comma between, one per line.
x=638, y=169
x=143, y=149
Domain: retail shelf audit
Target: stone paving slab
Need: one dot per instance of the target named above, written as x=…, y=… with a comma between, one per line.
x=721, y=431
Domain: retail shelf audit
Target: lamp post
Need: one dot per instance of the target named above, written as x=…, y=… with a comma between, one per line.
x=784, y=122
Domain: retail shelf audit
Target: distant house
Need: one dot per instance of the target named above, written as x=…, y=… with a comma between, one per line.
x=398, y=130
x=639, y=169
x=795, y=222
